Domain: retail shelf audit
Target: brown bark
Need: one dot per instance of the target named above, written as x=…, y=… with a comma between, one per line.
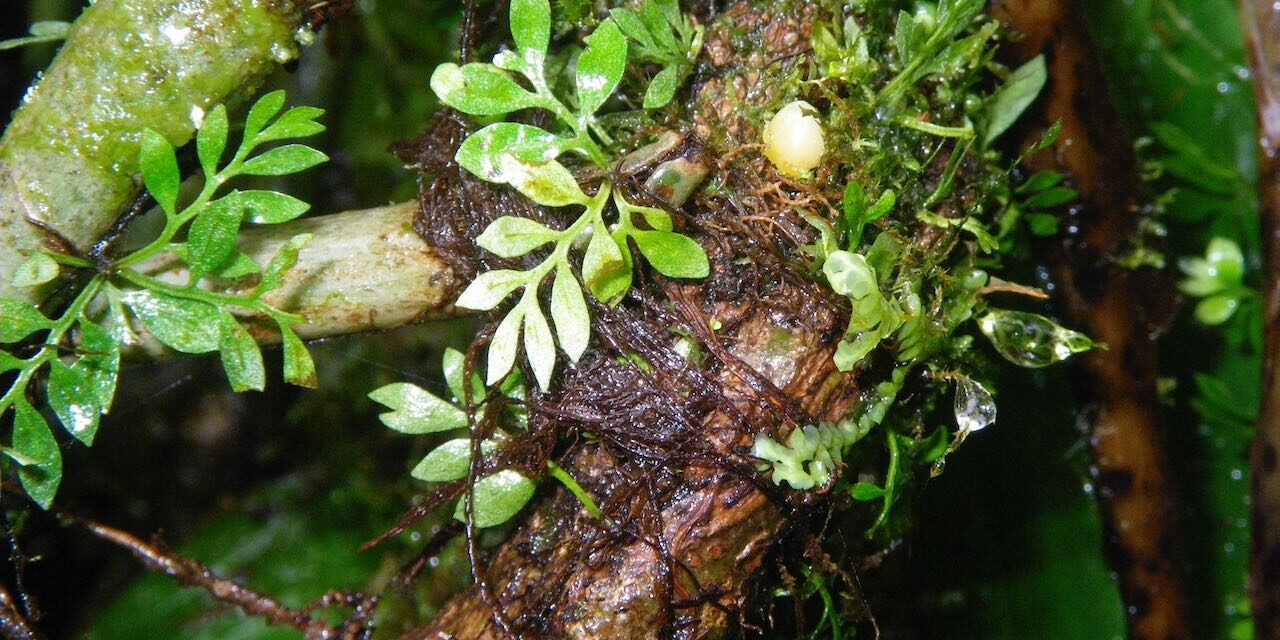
x=1121, y=307
x=1261, y=23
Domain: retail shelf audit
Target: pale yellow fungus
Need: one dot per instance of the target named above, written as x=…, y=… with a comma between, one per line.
x=793, y=140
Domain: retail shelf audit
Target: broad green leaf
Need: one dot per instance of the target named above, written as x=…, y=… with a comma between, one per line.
x=241, y=358
x=100, y=364
x=299, y=368
x=491, y=288
x=448, y=462
x=600, y=67
x=211, y=139
x=282, y=161
x=74, y=401
x=1225, y=260
x=480, y=89
x=498, y=498
x=503, y=346
x=1042, y=225
x=1013, y=97
x=454, y=364
x=189, y=326
x=850, y=275
x=539, y=345
x=662, y=88
x=481, y=153
x=569, y=311
x=19, y=319
x=633, y=27
x=511, y=237
x=262, y=111
x=531, y=24
x=36, y=270
x=285, y=259
x=1050, y=198
x=298, y=122
x=212, y=237
x=33, y=440
x=238, y=265
x=159, y=166
x=415, y=410
x=672, y=254
x=604, y=271
x=656, y=18
x=265, y=207
x=548, y=183
x=657, y=218
x=119, y=326
x=1217, y=309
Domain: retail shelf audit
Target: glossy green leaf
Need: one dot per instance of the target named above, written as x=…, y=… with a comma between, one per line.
x=498, y=497
x=672, y=254
x=866, y=492
x=159, y=166
x=241, y=358
x=548, y=183
x=481, y=153
x=511, y=237
x=531, y=24
x=282, y=161
x=189, y=326
x=662, y=89
x=298, y=122
x=265, y=207
x=539, y=345
x=9, y=362
x=600, y=67
x=1216, y=309
x=19, y=319
x=448, y=462
x=36, y=270
x=211, y=139
x=261, y=112
x=299, y=368
x=491, y=288
x=285, y=259
x=569, y=312
x=1041, y=181
x=657, y=18
x=415, y=410
x=604, y=271
x=1013, y=97
x=1054, y=197
x=633, y=27
x=503, y=346
x=100, y=362
x=855, y=211
x=480, y=89
x=850, y=275
x=74, y=400
x=212, y=237
x=33, y=440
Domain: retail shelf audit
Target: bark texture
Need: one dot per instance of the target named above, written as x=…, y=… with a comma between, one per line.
x=1124, y=308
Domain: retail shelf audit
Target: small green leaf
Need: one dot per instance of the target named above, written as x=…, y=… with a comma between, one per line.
x=19, y=319
x=658, y=20
x=1042, y=225
x=241, y=358
x=531, y=24
x=480, y=89
x=212, y=237
x=850, y=275
x=605, y=272
x=36, y=270
x=74, y=401
x=1215, y=310
x=41, y=31
x=866, y=492
x=1050, y=198
x=1012, y=99
x=448, y=462
x=503, y=345
x=662, y=89
x=211, y=140
x=100, y=364
x=499, y=497
x=1040, y=181
x=159, y=166
x=882, y=207
x=238, y=265
x=491, y=288
x=454, y=364
x=511, y=237
x=282, y=161
x=186, y=325
x=416, y=411
x=263, y=110
x=600, y=67
x=265, y=207
x=549, y=183
x=569, y=311
x=285, y=259
x=298, y=122
x=299, y=368
x=672, y=254
x=855, y=211
x=539, y=345
x=33, y=440
x=630, y=23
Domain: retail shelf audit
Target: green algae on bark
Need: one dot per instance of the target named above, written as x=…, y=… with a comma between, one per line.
x=68, y=159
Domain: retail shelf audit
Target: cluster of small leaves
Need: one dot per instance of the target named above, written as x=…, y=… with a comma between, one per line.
x=81, y=351
x=526, y=158
x=664, y=36
x=1217, y=280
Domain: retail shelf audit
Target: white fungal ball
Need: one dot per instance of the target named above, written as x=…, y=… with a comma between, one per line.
x=793, y=140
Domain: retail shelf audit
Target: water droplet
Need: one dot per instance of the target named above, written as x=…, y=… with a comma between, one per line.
x=974, y=406
x=1030, y=339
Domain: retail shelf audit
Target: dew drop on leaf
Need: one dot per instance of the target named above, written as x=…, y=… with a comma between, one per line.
x=975, y=408
x=1031, y=340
